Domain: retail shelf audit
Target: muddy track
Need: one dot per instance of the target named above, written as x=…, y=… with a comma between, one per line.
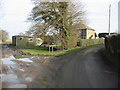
x=86, y=69
x=81, y=69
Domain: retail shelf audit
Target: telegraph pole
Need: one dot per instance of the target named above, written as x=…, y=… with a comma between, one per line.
x=109, y=19
x=119, y=17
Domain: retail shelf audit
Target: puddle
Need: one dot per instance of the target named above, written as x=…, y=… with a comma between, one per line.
x=24, y=59
x=22, y=70
x=10, y=78
x=18, y=86
x=11, y=70
x=8, y=60
x=28, y=79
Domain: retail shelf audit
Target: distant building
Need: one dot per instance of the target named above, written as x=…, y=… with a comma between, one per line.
x=86, y=33
x=119, y=17
x=26, y=41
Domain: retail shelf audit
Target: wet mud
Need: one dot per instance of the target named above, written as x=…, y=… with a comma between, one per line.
x=72, y=70
x=26, y=71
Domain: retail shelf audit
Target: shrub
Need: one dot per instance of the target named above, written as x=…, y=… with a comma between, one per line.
x=112, y=44
x=87, y=42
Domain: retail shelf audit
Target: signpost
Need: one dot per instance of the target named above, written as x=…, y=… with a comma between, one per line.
x=51, y=46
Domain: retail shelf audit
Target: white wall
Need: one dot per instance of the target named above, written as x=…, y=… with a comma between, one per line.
x=119, y=17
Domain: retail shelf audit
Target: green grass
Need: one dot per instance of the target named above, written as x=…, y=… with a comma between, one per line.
x=44, y=51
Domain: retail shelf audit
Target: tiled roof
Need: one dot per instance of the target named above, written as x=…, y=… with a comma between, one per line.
x=86, y=27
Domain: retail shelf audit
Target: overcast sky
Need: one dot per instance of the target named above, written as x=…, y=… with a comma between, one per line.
x=14, y=13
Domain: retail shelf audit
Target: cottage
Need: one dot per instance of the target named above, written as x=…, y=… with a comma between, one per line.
x=86, y=33
x=26, y=41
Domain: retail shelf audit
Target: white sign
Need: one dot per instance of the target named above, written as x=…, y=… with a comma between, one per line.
x=38, y=41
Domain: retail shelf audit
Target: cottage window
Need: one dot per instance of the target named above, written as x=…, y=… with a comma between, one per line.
x=30, y=39
x=21, y=38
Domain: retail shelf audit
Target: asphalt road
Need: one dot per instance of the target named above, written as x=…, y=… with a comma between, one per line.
x=86, y=69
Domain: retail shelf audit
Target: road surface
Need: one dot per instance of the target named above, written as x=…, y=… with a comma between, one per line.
x=86, y=69
x=81, y=69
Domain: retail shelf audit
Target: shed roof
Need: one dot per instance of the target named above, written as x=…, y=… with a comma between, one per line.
x=22, y=36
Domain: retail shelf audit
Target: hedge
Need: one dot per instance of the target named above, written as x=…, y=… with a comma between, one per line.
x=112, y=44
x=104, y=34
x=87, y=42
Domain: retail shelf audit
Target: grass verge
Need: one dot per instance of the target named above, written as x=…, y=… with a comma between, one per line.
x=44, y=51
x=110, y=59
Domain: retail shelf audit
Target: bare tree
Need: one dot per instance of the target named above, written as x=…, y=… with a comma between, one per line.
x=3, y=35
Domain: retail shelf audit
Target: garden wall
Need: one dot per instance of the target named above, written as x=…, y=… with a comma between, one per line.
x=87, y=42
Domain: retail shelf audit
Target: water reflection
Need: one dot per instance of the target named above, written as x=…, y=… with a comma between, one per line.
x=8, y=60
x=11, y=59
x=24, y=59
x=9, y=77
